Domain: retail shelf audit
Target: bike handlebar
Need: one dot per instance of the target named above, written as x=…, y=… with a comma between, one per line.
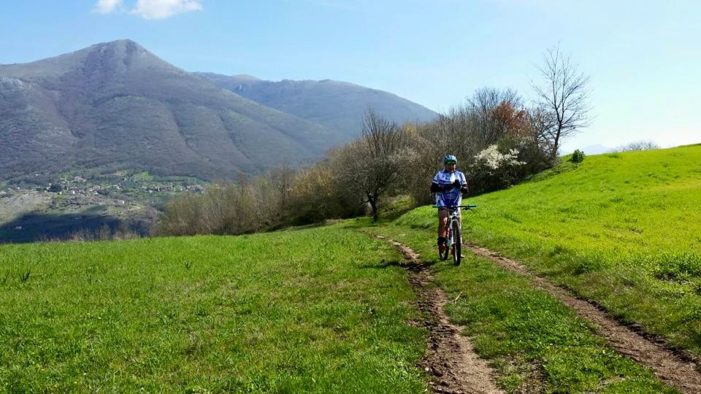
x=458, y=206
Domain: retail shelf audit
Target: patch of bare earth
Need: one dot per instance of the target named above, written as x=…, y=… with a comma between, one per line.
x=450, y=359
x=671, y=367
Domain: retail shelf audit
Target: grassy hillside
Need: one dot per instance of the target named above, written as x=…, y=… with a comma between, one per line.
x=622, y=229
x=285, y=312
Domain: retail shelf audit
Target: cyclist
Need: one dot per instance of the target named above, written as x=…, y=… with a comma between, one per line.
x=449, y=185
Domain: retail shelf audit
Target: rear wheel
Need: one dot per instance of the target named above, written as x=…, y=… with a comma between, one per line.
x=457, y=242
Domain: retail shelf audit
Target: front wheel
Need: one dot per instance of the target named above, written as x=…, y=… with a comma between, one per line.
x=457, y=242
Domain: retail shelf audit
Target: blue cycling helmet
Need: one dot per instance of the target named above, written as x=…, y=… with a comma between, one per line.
x=449, y=158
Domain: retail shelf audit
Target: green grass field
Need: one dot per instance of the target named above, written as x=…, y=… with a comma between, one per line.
x=325, y=310
x=622, y=229
x=309, y=310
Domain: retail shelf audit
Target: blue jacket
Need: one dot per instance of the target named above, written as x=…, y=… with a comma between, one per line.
x=447, y=194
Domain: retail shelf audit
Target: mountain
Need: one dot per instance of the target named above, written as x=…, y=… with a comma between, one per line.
x=337, y=105
x=117, y=105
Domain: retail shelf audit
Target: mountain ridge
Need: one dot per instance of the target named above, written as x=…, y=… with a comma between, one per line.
x=339, y=105
x=116, y=105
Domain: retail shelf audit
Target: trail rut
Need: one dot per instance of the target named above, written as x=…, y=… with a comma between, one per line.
x=450, y=359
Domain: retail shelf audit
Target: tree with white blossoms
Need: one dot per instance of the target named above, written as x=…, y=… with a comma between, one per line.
x=494, y=160
x=495, y=169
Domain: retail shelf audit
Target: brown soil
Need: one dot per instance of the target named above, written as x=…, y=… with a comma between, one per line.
x=450, y=359
x=670, y=366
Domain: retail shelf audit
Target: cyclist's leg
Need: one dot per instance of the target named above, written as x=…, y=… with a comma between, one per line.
x=442, y=226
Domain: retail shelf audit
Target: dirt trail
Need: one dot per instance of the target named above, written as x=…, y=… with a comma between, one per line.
x=450, y=359
x=670, y=367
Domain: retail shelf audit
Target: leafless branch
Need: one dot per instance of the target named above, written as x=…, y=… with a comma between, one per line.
x=562, y=98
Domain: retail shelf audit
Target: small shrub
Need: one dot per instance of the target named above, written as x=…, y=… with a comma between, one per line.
x=577, y=156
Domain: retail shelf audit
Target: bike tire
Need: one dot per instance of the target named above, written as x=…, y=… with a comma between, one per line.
x=457, y=243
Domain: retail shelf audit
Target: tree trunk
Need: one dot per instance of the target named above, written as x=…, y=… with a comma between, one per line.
x=372, y=199
x=556, y=144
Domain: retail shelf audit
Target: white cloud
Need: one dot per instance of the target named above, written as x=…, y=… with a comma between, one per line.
x=161, y=9
x=107, y=6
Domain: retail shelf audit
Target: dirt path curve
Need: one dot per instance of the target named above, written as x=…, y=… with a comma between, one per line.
x=450, y=359
x=670, y=367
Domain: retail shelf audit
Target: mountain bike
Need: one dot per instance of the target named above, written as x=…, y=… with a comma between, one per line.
x=454, y=237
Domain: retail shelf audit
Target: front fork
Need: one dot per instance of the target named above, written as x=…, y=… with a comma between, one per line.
x=449, y=234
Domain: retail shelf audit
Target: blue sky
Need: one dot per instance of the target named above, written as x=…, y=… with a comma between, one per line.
x=643, y=57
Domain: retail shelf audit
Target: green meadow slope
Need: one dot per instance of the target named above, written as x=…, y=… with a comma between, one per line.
x=622, y=229
x=326, y=309
x=295, y=311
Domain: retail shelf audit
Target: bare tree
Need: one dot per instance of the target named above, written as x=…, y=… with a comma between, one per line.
x=371, y=165
x=282, y=179
x=539, y=120
x=562, y=98
x=482, y=107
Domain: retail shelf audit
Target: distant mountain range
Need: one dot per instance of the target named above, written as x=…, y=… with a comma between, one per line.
x=117, y=106
x=336, y=105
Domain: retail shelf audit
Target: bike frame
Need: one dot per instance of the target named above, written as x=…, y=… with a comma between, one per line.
x=453, y=217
